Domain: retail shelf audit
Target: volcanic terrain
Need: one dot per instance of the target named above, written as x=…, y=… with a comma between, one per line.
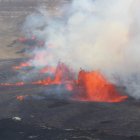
x=43, y=114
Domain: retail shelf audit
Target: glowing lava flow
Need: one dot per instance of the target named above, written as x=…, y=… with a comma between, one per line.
x=22, y=65
x=13, y=84
x=20, y=98
x=94, y=87
x=48, y=70
x=90, y=86
x=62, y=75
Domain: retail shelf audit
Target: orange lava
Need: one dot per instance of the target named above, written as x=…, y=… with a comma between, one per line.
x=20, y=98
x=90, y=86
x=61, y=76
x=13, y=84
x=94, y=87
x=21, y=65
x=48, y=70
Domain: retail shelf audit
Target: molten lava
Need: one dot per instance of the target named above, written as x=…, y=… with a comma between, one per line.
x=94, y=87
x=62, y=75
x=20, y=98
x=21, y=65
x=48, y=70
x=90, y=86
x=32, y=41
x=13, y=84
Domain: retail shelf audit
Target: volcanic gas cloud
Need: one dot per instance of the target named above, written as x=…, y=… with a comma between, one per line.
x=89, y=46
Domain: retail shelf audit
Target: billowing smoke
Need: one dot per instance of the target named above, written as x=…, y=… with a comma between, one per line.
x=93, y=35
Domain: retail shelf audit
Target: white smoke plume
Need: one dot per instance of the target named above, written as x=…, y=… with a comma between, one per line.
x=93, y=35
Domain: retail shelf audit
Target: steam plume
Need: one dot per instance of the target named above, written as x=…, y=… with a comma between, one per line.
x=93, y=35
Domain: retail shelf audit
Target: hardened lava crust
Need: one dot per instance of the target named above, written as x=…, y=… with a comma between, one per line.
x=42, y=114
x=49, y=114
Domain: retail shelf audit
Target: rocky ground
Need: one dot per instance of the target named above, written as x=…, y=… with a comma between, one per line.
x=57, y=117
x=13, y=130
x=44, y=117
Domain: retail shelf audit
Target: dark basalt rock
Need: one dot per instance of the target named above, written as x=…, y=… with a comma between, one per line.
x=14, y=130
x=46, y=117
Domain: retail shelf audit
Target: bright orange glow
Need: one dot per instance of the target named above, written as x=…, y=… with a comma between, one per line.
x=90, y=86
x=13, y=84
x=96, y=88
x=48, y=70
x=61, y=75
x=69, y=86
x=20, y=98
x=21, y=65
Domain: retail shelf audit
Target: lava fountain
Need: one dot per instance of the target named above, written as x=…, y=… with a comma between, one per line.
x=94, y=87
x=89, y=86
x=92, y=35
